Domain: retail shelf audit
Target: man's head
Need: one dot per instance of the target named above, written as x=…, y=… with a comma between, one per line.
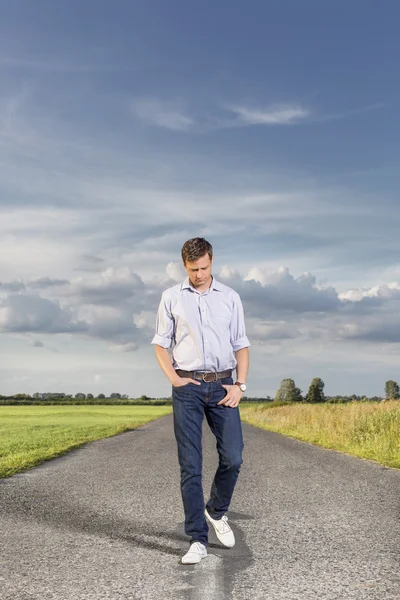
x=197, y=257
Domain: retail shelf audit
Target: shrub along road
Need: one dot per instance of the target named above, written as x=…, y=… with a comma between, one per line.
x=106, y=521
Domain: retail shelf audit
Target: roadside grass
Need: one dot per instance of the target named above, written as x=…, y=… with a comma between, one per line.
x=30, y=435
x=369, y=430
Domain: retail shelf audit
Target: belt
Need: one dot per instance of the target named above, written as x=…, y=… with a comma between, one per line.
x=206, y=376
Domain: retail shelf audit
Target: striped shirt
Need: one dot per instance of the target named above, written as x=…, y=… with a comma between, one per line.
x=204, y=330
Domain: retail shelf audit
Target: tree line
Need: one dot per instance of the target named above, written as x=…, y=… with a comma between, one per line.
x=289, y=392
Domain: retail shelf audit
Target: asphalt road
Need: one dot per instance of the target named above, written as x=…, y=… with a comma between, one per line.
x=106, y=521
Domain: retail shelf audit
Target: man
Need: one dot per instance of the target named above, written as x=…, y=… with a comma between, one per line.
x=204, y=320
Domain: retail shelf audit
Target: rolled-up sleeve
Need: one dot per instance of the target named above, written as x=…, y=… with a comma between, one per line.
x=164, y=324
x=239, y=339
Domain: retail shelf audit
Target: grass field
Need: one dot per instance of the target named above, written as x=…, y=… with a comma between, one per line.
x=30, y=435
x=368, y=430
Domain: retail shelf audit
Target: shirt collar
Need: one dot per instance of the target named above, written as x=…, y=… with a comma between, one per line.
x=215, y=285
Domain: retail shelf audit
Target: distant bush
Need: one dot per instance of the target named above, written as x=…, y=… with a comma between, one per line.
x=353, y=398
x=50, y=401
x=26, y=400
x=68, y=399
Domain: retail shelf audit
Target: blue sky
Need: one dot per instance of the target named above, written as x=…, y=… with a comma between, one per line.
x=270, y=128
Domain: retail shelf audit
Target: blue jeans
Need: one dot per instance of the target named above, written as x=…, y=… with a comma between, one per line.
x=190, y=403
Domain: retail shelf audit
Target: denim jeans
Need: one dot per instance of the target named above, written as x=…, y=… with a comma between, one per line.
x=190, y=403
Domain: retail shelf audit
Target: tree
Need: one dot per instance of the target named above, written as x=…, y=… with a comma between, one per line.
x=80, y=395
x=100, y=395
x=316, y=391
x=392, y=390
x=89, y=396
x=288, y=392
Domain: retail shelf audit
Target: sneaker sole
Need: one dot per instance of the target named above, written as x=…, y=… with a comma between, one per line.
x=193, y=562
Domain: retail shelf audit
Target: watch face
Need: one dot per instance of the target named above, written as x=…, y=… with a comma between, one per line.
x=243, y=387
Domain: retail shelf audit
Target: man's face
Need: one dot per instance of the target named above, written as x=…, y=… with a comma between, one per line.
x=199, y=271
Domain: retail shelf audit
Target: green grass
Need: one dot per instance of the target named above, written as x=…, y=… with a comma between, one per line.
x=30, y=435
x=368, y=430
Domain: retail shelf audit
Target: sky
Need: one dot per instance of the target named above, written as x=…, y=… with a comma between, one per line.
x=269, y=128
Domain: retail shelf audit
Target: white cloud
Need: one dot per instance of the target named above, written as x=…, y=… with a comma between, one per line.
x=129, y=347
x=272, y=115
x=118, y=305
x=287, y=114
x=294, y=318
x=278, y=291
x=391, y=290
x=172, y=116
x=257, y=274
x=175, y=271
x=376, y=329
x=146, y=319
x=111, y=286
x=29, y=257
x=161, y=114
x=24, y=312
x=272, y=330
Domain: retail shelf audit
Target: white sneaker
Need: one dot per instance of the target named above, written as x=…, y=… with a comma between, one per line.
x=196, y=552
x=222, y=529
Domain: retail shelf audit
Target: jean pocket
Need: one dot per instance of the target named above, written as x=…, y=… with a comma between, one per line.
x=178, y=387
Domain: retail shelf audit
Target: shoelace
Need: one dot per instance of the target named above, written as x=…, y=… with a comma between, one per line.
x=197, y=547
x=225, y=527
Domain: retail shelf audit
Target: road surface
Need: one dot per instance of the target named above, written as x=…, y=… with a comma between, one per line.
x=106, y=522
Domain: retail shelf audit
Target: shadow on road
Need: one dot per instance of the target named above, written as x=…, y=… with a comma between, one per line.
x=212, y=578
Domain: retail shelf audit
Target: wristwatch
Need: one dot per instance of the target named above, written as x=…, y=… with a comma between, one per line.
x=241, y=385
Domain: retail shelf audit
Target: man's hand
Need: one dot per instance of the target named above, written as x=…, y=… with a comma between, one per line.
x=233, y=396
x=181, y=381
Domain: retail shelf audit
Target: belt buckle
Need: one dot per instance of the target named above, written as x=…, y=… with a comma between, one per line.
x=208, y=381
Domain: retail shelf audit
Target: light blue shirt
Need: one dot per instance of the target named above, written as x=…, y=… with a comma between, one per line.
x=204, y=330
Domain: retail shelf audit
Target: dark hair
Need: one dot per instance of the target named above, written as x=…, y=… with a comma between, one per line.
x=195, y=248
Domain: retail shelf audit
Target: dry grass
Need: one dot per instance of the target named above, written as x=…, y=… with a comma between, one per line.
x=365, y=429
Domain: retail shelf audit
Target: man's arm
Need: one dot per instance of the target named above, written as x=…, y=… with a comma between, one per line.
x=164, y=360
x=242, y=367
x=240, y=345
x=163, y=338
x=234, y=393
x=239, y=340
